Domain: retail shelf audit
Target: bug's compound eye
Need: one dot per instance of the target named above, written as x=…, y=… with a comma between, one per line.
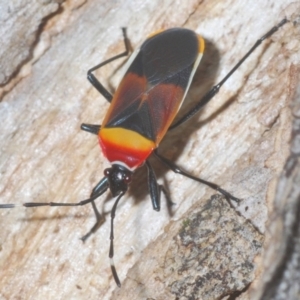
x=127, y=178
x=107, y=172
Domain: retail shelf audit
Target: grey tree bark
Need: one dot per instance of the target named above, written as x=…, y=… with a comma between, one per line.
x=246, y=140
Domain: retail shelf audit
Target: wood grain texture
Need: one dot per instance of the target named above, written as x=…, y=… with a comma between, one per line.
x=240, y=141
x=19, y=26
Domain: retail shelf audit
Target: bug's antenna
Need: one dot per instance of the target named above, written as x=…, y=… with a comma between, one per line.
x=98, y=190
x=111, y=248
x=7, y=205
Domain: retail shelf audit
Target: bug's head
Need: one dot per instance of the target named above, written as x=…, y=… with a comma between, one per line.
x=119, y=178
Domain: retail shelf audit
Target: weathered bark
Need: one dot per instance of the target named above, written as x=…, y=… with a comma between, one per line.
x=204, y=249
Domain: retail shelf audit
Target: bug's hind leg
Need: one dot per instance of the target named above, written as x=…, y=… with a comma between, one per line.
x=178, y=170
x=215, y=89
x=99, y=87
x=95, y=82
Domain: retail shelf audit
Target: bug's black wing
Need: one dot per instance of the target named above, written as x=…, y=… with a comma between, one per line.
x=154, y=86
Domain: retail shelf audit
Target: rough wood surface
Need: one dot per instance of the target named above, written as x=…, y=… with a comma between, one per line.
x=240, y=141
x=19, y=26
x=281, y=261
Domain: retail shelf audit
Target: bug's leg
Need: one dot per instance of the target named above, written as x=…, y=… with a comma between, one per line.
x=99, y=221
x=99, y=217
x=95, y=82
x=155, y=189
x=176, y=169
x=111, y=248
x=208, y=96
x=91, y=128
x=99, y=87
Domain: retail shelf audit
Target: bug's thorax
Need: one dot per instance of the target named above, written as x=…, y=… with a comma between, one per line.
x=124, y=145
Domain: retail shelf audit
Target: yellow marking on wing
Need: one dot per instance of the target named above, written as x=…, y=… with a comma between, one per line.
x=201, y=44
x=155, y=33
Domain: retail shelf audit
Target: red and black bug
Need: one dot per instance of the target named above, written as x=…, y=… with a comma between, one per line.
x=142, y=111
